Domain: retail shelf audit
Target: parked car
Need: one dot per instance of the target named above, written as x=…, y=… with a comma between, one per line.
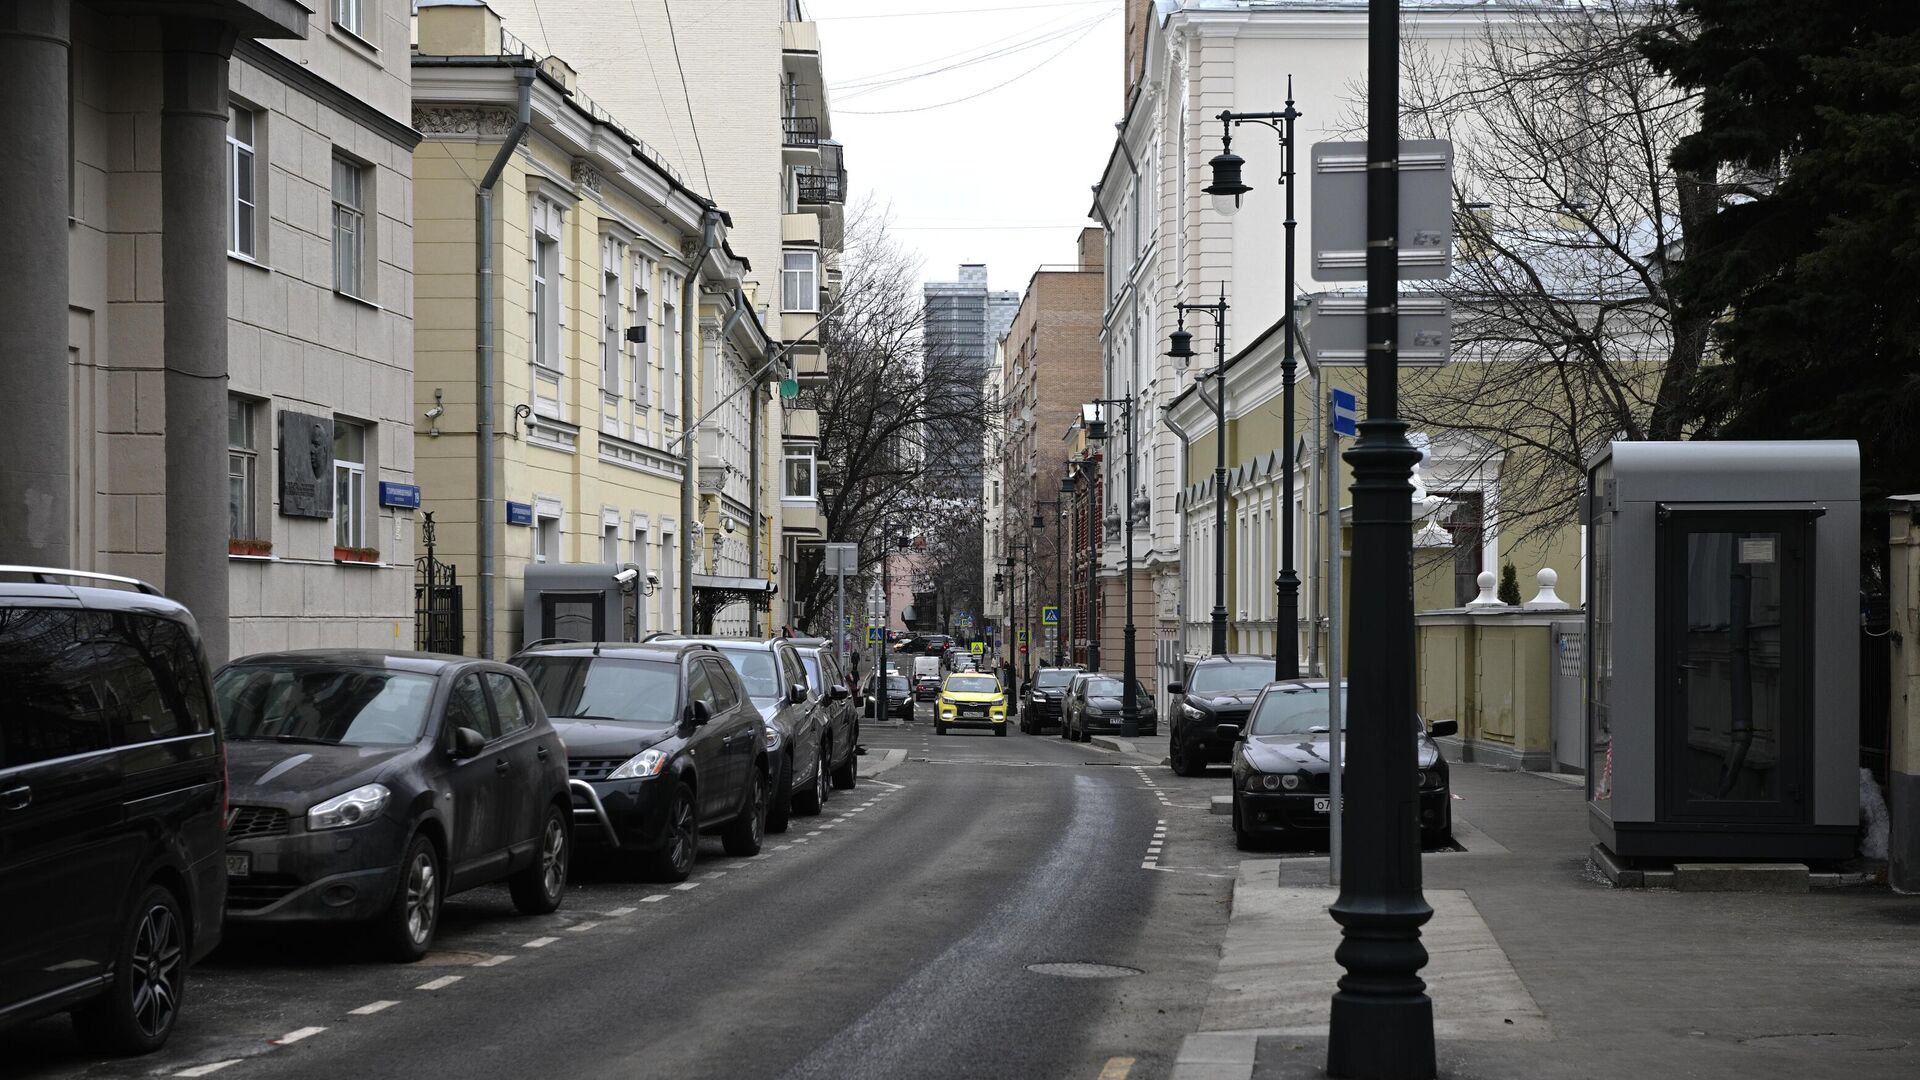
x=1281, y=777
x=1218, y=691
x=112, y=792
x=797, y=740
x=898, y=693
x=829, y=683
x=1095, y=701
x=971, y=700
x=926, y=677
x=663, y=744
x=1041, y=707
x=368, y=786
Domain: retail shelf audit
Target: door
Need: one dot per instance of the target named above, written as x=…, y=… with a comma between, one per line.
x=573, y=616
x=1734, y=737
x=730, y=718
x=1567, y=698
x=707, y=744
x=478, y=783
x=525, y=789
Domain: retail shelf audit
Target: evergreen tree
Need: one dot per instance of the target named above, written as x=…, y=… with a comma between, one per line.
x=1810, y=112
x=1509, y=591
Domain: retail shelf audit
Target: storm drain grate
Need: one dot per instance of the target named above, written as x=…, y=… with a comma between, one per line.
x=1084, y=971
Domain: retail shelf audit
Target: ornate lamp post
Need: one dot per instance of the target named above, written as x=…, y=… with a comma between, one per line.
x=1227, y=190
x=1097, y=429
x=1068, y=485
x=1181, y=348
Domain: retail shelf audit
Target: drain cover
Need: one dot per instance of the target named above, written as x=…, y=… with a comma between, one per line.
x=1084, y=971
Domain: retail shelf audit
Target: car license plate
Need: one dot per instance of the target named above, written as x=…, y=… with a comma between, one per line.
x=1322, y=804
x=240, y=865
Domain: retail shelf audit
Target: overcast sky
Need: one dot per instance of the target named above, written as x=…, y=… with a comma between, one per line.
x=1004, y=177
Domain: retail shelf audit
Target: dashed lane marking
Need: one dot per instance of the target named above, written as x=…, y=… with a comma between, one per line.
x=685, y=885
x=539, y=943
x=493, y=961
x=208, y=1070
x=369, y=1010
x=654, y=899
x=1117, y=1068
x=445, y=981
x=619, y=911
x=297, y=1034
x=581, y=927
x=782, y=847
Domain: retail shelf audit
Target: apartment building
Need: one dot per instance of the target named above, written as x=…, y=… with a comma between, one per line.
x=208, y=307
x=598, y=242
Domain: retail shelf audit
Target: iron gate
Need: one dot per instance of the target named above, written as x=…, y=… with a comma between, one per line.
x=437, y=625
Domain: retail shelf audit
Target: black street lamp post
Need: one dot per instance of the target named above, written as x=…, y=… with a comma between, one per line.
x=1227, y=189
x=1039, y=525
x=1381, y=1024
x=1181, y=348
x=1097, y=429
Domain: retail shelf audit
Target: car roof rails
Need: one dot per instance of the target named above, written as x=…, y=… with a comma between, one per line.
x=43, y=574
x=537, y=642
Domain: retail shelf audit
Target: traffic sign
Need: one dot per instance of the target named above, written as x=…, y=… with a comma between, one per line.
x=1020, y=636
x=1339, y=215
x=979, y=648
x=873, y=635
x=1346, y=413
x=1050, y=614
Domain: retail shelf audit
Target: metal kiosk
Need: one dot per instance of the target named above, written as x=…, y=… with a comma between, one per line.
x=1722, y=649
x=580, y=602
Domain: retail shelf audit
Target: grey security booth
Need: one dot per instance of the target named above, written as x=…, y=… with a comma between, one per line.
x=1722, y=649
x=582, y=602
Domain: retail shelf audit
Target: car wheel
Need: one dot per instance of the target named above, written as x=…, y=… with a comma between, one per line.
x=1001, y=730
x=742, y=836
x=1066, y=731
x=847, y=775
x=939, y=728
x=1182, y=759
x=674, y=860
x=1442, y=836
x=780, y=803
x=539, y=888
x=140, y=1007
x=814, y=799
x=414, y=914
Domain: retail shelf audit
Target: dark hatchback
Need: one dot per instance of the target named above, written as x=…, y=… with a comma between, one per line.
x=1281, y=778
x=1218, y=692
x=1095, y=702
x=830, y=687
x=663, y=742
x=1041, y=706
x=112, y=791
x=368, y=786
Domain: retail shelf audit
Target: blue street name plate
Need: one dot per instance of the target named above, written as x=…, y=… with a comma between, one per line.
x=519, y=513
x=406, y=496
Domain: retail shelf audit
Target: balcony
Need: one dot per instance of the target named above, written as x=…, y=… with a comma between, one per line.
x=820, y=187
x=800, y=139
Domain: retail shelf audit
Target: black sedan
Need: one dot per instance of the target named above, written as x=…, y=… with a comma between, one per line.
x=1281, y=779
x=899, y=701
x=1095, y=702
x=663, y=742
x=1217, y=693
x=1042, y=705
x=367, y=786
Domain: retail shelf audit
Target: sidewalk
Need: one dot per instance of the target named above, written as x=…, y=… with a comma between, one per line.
x=1540, y=970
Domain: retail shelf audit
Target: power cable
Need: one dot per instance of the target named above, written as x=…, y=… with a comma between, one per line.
x=679, y=150
x=980, y=93
x=954, y=11
x=687, y=96
x=986, y=50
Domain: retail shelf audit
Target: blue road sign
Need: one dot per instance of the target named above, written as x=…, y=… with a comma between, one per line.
x=1050, y=615
x=873, y=635
x=1346, y=413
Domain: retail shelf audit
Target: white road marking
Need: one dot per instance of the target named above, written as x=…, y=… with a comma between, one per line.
x=369, y=1010
x=619, y=911
x=580, y=927
x=493, y=961
x=782, y=847
x=685, y=885
x=443, y=981
x=891, y=787
x=539, y=943
x=206, y=1070
x=1149, y=865
x=296, y=1035
x=828, y=825
x=801, y=840
x=714, y=873
x=654, y=899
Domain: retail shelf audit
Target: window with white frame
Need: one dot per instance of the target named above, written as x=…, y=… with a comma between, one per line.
x=800, y=280
x=642, y=315
x=243, y=463
x=669, y=348
x=349, y=484
x=797, y=473
x=546, y=537
x=543, y=309
x=346, y=15
x=610, y=543
x=243, y=181
x=613, y=255
x=350, y=191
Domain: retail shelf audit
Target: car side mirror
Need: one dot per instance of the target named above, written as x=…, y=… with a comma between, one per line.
x=468, y=742
x=1443, y=728
x=698, y=714
x=797, y=694
x=1176, y=688
x=1231, y=731
x=839, y=693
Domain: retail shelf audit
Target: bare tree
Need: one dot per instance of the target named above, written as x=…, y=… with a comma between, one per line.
x=891, y=412
x=1568, y=217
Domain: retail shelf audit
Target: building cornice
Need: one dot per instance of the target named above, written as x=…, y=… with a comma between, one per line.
x=302, y=79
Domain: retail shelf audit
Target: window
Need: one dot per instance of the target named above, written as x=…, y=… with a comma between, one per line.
x=82, y=681
x=243, y=457
x=669, y=567
x=613, y=254
x=507, y=703
x=610, y=544
x=349, y=484
x=669, y=351
x=720, y=686
x=546, y=538
x=1465, y=521
x=467, y=708
x=349, y=226
x=800, y=281
x=346, y=15
x=797, y=482
x=241, y=178
x=642, y=316
x=543, y=313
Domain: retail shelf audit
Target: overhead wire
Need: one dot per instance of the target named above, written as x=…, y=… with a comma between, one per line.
x=954, y=11
x=987, y=51
x=679, y=150
x=687, y=96
x=980, y=93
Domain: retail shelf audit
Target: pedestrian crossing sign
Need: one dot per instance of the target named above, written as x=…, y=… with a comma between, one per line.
x=873, y=635
x=1020, y=635
x=979, y=648
x=1050, y=615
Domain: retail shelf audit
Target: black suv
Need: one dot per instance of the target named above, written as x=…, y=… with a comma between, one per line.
x=112, y=792
x=1219, y=690
x=796, y=735
x=831, y=686
x=663, y=742
x=370, y=785
x=1041, y=704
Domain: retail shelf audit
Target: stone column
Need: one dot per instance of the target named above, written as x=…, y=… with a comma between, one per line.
x=193, y=191
x=36, y=450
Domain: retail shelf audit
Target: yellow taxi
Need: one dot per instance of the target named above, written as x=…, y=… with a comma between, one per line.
x=970, y=699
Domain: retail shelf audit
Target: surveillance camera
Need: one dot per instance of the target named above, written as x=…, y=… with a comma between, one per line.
x=436, y=412
x=626, y=575
x=653, y=579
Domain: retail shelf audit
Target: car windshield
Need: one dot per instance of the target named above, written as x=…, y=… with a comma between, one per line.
x=329, y=705
x=756, y=668
x=1299, y=711
x=973, y=684
x=1101, y=686
x=896, y=682
x=604, y=688
x=1054, y=679
x=1227, y=678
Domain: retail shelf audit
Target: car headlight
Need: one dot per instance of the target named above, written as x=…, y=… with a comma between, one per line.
x=1431, y=780
x=640, y=766
x=773, y=738
x=1190, y=712
x=1264, y=781
x=1290, y=781
x=352, y=808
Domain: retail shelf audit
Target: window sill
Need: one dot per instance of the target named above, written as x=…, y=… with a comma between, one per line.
x=249, y=260
x=361, y=300
x=231, y=557
x=353, y=38
x=362, y=565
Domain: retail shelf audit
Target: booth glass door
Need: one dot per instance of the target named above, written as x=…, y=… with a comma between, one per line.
x=1734, y=737
x=574, y=616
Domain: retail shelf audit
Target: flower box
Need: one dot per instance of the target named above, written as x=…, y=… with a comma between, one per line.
x=356, y=554
x=250, y=547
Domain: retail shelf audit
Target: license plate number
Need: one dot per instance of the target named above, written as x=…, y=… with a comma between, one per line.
x=1322, y=804
x=239, y=865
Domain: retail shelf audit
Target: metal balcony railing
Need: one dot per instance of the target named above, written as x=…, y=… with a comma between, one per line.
x=821, y=186
x=800, y=131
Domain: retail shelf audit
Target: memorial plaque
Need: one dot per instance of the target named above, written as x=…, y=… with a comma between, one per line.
x=306, y=465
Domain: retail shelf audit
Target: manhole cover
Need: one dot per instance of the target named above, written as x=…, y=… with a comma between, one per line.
x=1827, y=1040
x=1084, y=971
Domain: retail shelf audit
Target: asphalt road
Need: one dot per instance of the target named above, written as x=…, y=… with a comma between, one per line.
x=893, y=936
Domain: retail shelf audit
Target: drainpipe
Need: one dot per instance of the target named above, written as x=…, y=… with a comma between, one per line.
x=756, y=425
x=690, y=439
x=483, y=361
x=1166, y=415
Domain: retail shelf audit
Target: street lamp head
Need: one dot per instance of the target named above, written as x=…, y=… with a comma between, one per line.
x=1227, y=186
x=1039, y=523
x=1068, y=483
x=1091, y=419
x=1180, y=344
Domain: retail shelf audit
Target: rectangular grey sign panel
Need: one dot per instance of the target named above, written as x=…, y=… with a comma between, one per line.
x=1339, y=211
x=1334, y=329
